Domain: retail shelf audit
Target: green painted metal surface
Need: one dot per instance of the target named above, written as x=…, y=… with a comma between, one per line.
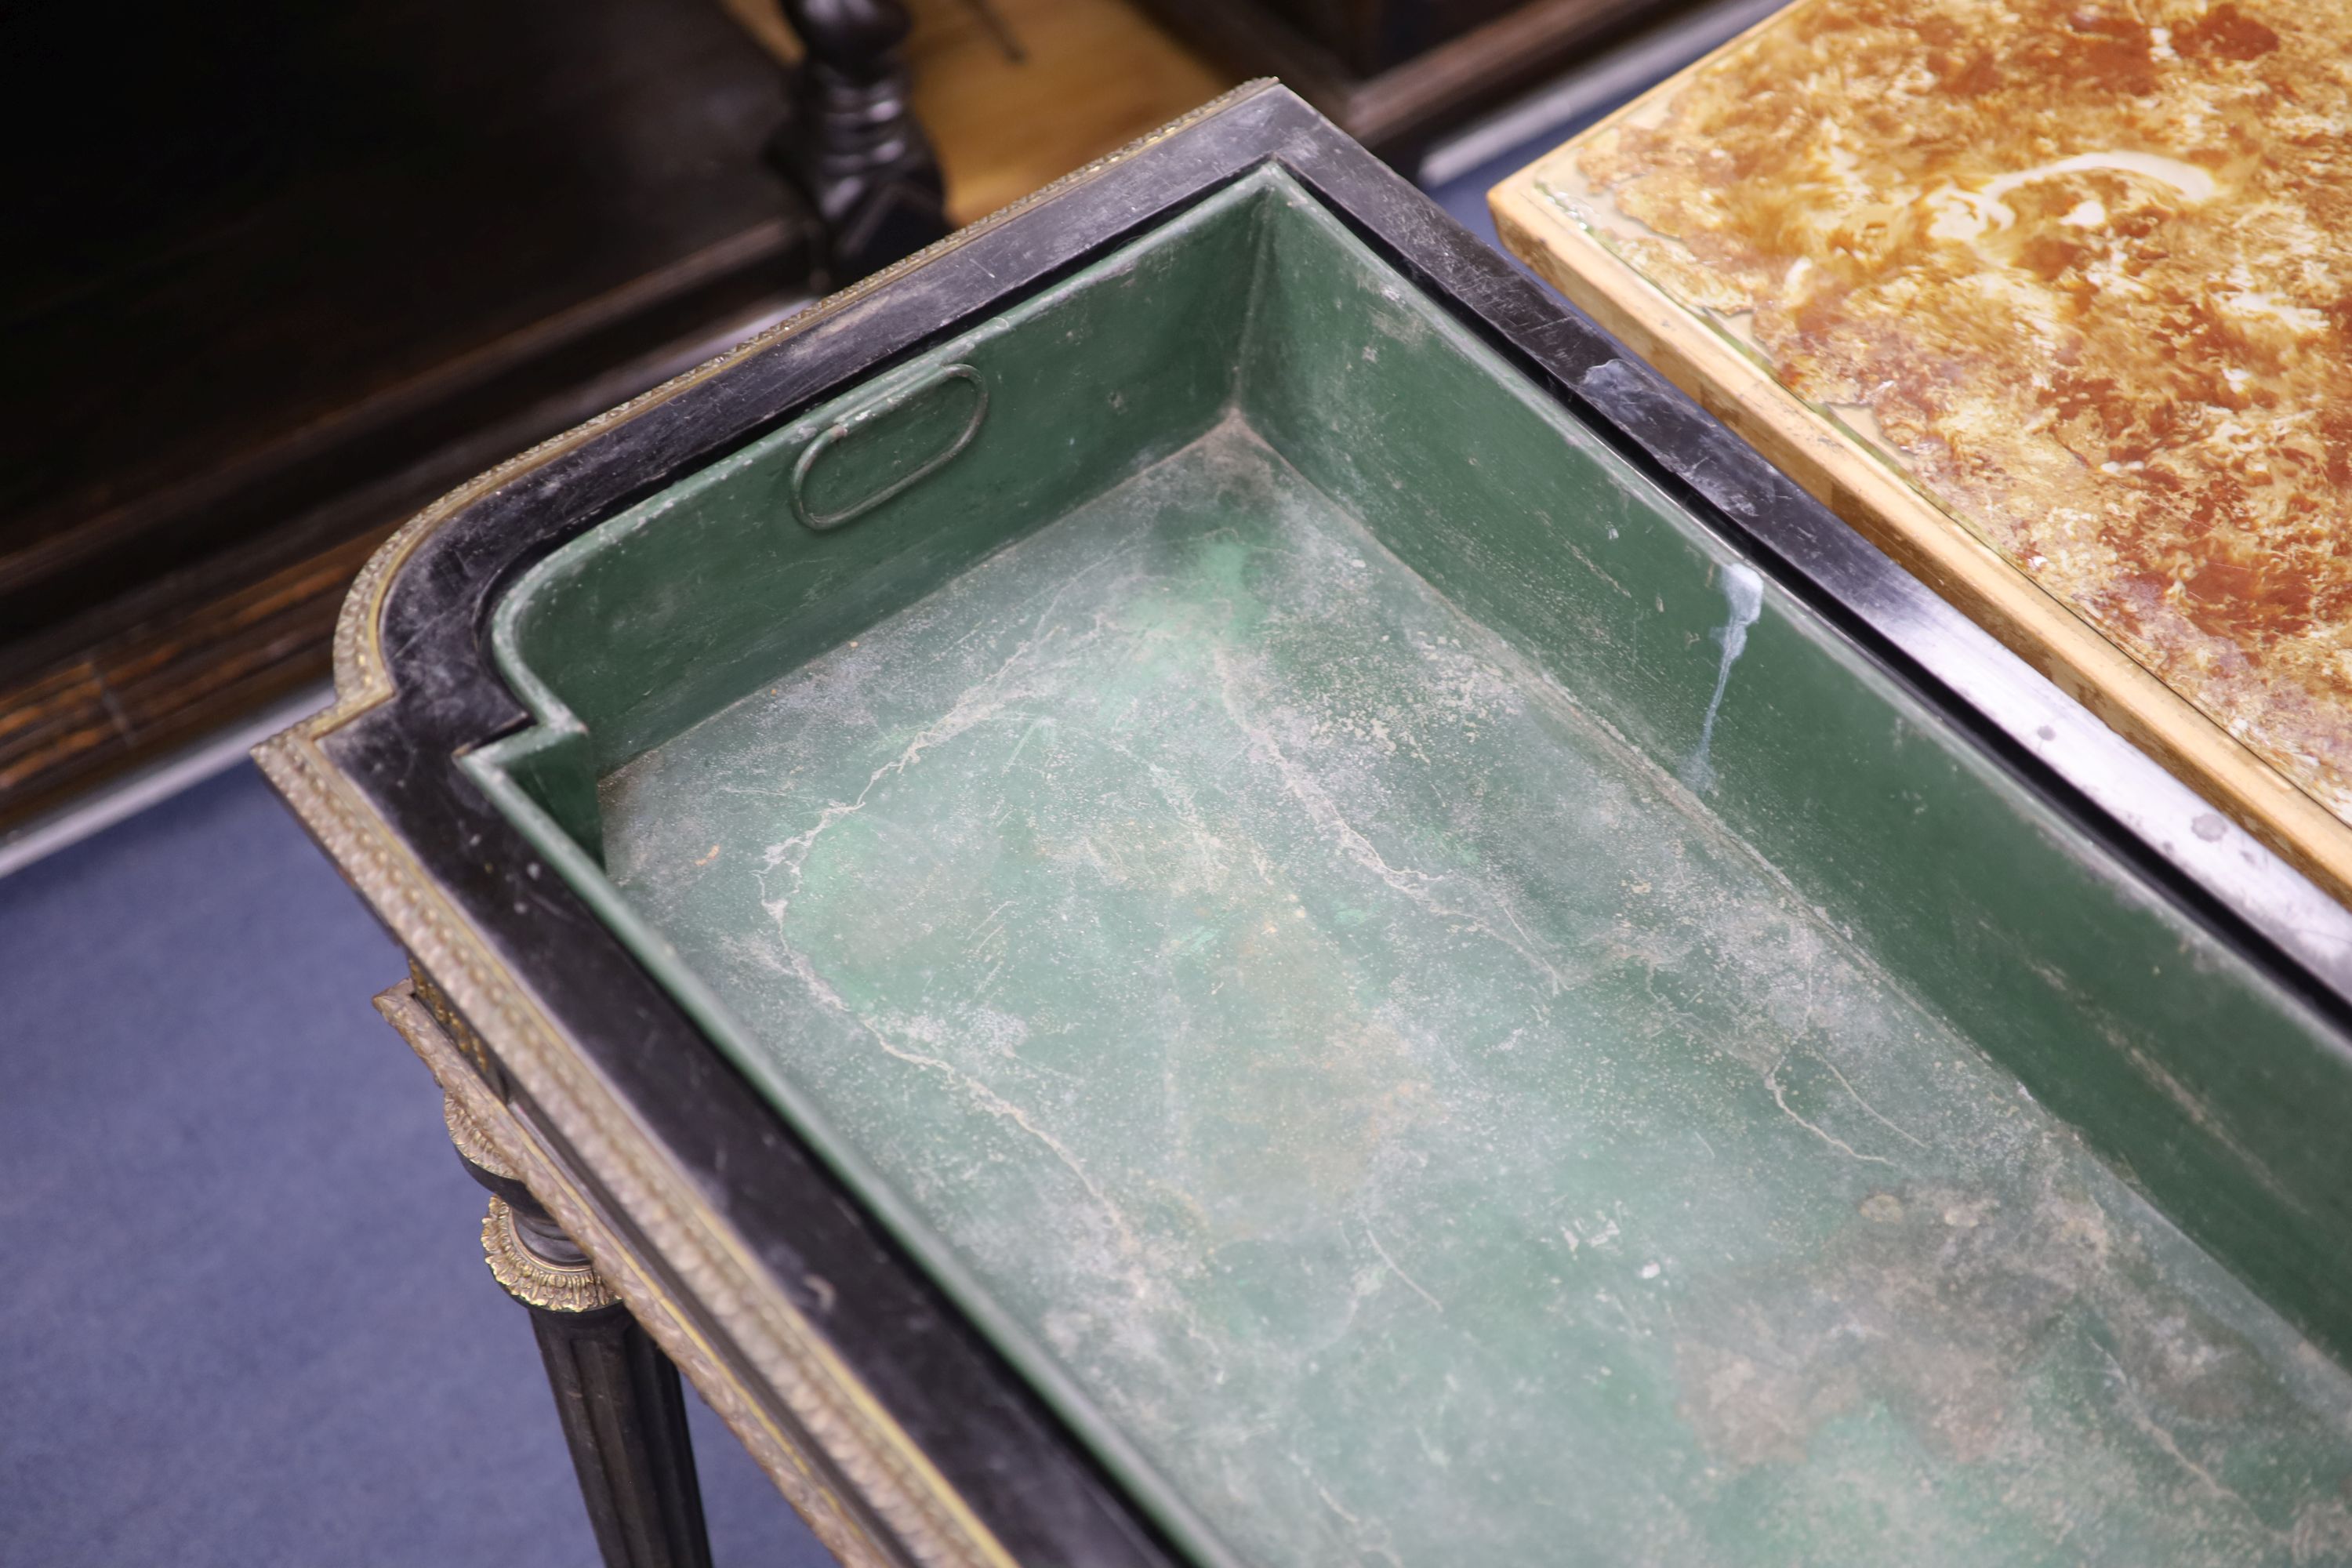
x=1439, y=1017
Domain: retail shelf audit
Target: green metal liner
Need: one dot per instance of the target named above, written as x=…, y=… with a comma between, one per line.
x=1438, y=1016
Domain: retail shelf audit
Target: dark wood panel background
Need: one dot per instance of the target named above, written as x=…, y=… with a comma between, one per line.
x=282, y=273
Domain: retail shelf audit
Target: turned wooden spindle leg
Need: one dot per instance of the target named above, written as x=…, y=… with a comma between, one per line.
x=622, y=1410
x=853, y=147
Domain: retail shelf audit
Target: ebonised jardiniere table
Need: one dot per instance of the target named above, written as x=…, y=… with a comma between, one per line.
x=1194, y=882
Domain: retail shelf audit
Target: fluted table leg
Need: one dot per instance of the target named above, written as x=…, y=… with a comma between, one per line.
x=622, y=1408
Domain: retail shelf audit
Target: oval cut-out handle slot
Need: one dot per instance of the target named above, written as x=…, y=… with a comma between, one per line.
x=857, y=419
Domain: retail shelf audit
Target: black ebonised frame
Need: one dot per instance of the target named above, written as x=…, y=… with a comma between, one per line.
x=1019, y=1471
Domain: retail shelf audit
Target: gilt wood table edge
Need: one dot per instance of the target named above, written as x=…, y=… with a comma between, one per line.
x=679, y=1229
x=1868, y=494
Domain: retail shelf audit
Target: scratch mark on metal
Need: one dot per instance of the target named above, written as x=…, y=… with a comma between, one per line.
x=1864, y=1104
x=1772, y=1082
x=1400, y=1272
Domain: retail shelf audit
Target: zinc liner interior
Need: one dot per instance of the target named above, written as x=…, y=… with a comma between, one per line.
x=1434, y=1013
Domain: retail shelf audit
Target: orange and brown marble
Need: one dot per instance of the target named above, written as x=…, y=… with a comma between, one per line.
x=2084, y=269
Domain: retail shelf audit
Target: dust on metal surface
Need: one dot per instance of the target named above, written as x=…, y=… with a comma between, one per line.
x=1409, y=1114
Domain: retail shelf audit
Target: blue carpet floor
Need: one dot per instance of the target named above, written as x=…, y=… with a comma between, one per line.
x=244, y=1317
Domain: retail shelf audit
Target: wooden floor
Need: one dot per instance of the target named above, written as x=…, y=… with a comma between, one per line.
x=1017, y=93
x=1096, y=75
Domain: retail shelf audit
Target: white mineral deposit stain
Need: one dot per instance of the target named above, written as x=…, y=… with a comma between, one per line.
x=1743, y=590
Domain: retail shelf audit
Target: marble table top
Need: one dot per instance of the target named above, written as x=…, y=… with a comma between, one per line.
x=2077, y=270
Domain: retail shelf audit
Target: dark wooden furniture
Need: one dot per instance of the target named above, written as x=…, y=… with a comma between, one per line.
x=282, y=273
x=1394, y=74
x=910, y=1426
